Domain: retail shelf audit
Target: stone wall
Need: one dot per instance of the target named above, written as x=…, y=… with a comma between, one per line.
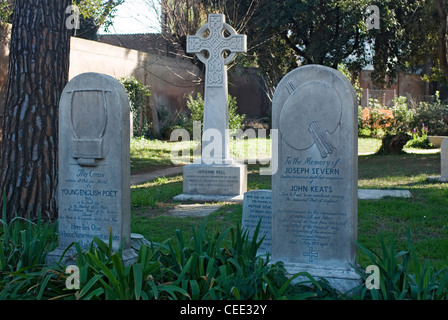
x=170, y=79
x=406, y=84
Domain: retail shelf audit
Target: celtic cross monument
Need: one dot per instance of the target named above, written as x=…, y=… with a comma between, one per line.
x=216, y=45
x=216, y=177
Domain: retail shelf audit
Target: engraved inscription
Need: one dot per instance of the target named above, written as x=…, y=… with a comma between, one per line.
x=89, y=205
x=258, y=206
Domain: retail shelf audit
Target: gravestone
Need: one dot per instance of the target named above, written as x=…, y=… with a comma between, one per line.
x=215, y=176
x=256, y=206
x=444, y=160
x=94, y=165
x=314, y=191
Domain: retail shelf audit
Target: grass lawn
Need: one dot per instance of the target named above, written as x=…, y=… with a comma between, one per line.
x=149, y=155
x=425, y=214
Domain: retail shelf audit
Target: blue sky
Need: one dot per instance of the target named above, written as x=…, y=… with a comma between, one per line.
x=135, y=16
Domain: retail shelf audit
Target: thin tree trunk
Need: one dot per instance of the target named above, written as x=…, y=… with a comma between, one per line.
x=38, y=72
x=442, y=10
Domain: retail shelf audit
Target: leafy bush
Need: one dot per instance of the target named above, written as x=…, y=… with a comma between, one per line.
x=23, y=249
x=138, y=93
x=420, y=139
x=203, y=268
x=434, y=115
x=403, y=276
x=172, y=121
x=362, y=130
x=206, y=269
x=196, y=106
x=374, y=120
x=403, y=116
x=24, y=243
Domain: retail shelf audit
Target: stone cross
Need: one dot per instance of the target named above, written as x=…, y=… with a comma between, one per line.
x=216, y=50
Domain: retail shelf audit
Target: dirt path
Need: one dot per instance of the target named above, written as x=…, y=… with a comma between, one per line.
x=151, y=175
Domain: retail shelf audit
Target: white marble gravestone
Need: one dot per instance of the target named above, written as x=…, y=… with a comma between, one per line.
x=314, y=192
x=215, y=176
x=444, y=160
x=257, y=209
x=94, y=165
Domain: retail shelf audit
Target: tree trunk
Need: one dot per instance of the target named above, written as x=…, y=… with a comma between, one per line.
x=38, y=72
x=442, y=50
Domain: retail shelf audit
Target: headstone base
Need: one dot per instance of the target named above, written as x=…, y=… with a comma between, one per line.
x=341, y=279
x=129, y=256
x=438, y=178
x=204, y=182
x=375, y=194
x=208, y=198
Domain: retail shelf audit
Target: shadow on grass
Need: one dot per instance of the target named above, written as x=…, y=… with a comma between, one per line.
x=425, y=215
x=383, y=166
x=156, y=192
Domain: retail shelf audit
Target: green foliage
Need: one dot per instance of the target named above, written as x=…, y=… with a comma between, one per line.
x=207, y=270
x=24, y=243
x=93, y=15
x=403, y=276
x=362, y=128
x=321, y=32
x=355, y=82
x=96, y=13
x=434, y=115
x=426, y=118
x=373, y=121
x=104, y=276
x=420, y=139
x=6, y=12
x=403, y=116
x=138, y=93
x=407, y=34
x=196, y=106
x=23, y=250
x=171, y=121
x=274, y=58
x=204, y=267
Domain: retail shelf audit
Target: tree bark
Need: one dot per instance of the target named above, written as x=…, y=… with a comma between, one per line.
x=442, y=11
x=38, y=72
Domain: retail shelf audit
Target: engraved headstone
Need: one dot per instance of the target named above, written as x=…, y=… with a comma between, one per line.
x=314, y=191
x=257, y=209
x=215, y=176
x=94, y=165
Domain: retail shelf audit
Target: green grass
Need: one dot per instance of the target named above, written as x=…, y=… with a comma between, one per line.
x=425, y=214
x=149, y=155
x=250, y=148
x=153, y=154
x=368, y=145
